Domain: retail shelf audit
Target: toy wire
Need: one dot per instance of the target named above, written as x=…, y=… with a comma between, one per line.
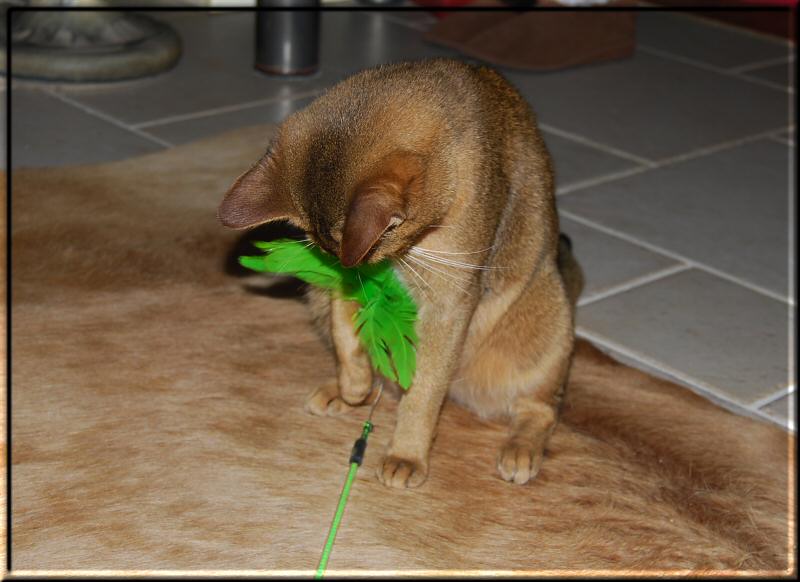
x=356, y=457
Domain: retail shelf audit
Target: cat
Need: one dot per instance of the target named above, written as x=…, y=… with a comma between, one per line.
x=439, y=166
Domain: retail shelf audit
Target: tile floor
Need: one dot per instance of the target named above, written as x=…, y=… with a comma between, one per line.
x=675, y=173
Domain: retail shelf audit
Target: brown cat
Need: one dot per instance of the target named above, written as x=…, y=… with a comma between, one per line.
x=438, y=166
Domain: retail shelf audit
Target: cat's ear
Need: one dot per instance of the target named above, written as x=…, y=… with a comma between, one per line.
x=379, y=203
x=371, y=212
x=253, y=199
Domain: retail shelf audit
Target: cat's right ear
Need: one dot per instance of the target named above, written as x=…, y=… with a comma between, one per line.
x=253, y=199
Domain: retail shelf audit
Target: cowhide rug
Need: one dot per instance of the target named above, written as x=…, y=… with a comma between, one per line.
x=158, y=421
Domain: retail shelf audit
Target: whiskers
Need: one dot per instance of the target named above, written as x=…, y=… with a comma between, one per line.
x=451, y=279
x=453, y=253
x=447, y=265
x=436, y=257
x=420, y=277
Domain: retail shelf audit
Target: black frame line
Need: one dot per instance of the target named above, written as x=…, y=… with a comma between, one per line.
x=752, y=7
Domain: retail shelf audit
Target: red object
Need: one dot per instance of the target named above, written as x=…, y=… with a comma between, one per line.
x=442, y=4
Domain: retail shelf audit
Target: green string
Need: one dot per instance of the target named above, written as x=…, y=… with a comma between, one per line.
x=337, y=517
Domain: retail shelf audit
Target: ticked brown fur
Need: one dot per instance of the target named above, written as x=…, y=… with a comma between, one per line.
x=438, y=166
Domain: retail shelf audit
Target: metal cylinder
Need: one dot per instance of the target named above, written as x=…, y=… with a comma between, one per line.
x=287, y=41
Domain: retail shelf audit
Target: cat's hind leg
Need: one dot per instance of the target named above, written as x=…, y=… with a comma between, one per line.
x=534, y=410
x=533, y=418
x=519, y=371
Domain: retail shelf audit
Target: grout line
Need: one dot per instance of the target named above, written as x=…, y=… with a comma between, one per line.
x=108, y=118
x=787, y=425
x=788, y=89
x=766, y=400
x=782, y=140
x=575, y=186
x=634, y=283
x=700, y=152
x=762, y=64
x=780, y=41
x=704, y=389
x=600, y=146
x=681, y=59
x=712, y=149
x=712, y=68
x=223, y=109
x=734, y=28
x=676, y=256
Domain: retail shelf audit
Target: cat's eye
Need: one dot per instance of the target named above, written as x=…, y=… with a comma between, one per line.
x=394, y=222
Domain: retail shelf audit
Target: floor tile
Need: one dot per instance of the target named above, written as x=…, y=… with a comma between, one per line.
x=727, y=210
x=650, y=106
x=190, y=129
x=45, y=131
x=575, y=162
x=693, y=37
x=608, y=261
x=658, y=373
x=779, y=74
x=783, y=410
x=717, y=332
x=640, y=365
x=216, y=69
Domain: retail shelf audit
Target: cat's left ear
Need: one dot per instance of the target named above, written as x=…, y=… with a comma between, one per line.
x=256, y=197
x=370, y=214
x=378, y=204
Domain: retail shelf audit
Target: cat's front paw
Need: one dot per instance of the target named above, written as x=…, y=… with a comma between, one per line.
x=356, y=396
x=401, y=473
x=519, y=461
x=326, y=401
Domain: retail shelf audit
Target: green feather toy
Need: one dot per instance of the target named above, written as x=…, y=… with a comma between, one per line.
x=385, y=319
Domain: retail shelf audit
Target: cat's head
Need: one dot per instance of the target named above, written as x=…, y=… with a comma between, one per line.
x=359, y=214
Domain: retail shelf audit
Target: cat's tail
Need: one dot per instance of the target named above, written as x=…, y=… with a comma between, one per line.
x=569, y=268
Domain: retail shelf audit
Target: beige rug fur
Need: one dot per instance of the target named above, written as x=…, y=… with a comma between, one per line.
x=158, y=422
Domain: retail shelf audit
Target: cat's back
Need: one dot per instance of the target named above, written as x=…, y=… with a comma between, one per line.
x=430, y=83
x=470, y=125
x=414, y=97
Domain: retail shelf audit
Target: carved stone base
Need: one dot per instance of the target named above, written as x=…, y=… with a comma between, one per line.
x=89, y=46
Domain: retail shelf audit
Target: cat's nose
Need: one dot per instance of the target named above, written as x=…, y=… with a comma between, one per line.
x=347, y=264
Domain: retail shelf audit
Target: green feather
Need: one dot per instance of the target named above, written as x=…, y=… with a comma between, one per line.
x=387, y=314
x=370, y=330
